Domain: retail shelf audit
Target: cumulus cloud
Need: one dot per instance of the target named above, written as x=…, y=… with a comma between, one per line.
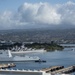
x=67, y=12
x=5, y=18
x=39, y=14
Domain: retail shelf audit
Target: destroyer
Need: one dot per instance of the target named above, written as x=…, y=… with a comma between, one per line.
x=7, y=56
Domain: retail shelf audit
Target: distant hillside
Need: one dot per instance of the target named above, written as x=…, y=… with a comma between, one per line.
x=39, y=35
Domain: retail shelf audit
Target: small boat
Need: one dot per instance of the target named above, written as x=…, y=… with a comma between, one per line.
x=40, y=61
x=73, y=49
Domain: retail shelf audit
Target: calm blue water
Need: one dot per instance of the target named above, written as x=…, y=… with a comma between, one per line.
x=63, y=58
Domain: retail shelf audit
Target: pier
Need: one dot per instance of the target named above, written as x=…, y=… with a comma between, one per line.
x=23, y=72
x=46, y=71
x=9, y=65
x=65, y=70
x=51, y=69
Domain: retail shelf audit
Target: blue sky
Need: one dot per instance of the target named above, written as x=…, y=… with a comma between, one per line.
x=14, y=4
x=37, y=13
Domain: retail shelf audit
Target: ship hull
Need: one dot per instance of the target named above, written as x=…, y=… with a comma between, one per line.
x=4, y=56
x=17, y=59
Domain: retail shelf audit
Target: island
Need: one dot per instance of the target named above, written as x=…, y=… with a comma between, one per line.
x=46, y=46
x=35, y=45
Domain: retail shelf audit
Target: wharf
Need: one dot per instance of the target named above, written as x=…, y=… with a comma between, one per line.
x=23, y=72
x=51, y=69
x=46, y=71
x=65, y=70
x=9, y=65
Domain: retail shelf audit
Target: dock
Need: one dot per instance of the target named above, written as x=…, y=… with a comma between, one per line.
x=23, y=72
x=59, y=70
x=51, y=69
x=65, y=70
x=9, y=65
x=46, y=71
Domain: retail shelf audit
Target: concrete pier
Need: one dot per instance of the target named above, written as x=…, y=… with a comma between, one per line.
x=47, y=71
x=22, y=72
x=9, y=65
x=65, y=70
x=51, y=69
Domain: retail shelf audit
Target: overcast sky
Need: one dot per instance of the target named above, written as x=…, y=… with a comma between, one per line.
x=37, y=13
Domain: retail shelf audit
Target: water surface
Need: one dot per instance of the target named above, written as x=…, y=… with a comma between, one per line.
x=58, y=58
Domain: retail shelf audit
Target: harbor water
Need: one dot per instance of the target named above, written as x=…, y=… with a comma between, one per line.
x=64, y=58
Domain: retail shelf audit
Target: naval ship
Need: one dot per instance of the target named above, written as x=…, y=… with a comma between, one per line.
x=7, y=56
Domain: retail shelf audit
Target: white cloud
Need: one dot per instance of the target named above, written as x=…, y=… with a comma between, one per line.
x=39, y=14
x=67, y=12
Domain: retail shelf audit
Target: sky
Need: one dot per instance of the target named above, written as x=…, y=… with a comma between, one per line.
x=21, y=14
